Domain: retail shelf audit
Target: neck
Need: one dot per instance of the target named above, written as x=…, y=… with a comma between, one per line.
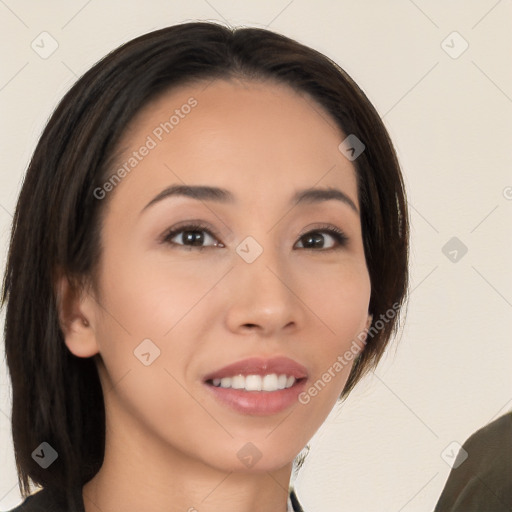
x=139, y=473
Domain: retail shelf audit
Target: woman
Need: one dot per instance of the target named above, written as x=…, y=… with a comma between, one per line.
x=209, y=250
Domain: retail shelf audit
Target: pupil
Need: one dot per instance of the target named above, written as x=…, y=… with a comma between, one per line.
x=314, y=240
x=195, y=237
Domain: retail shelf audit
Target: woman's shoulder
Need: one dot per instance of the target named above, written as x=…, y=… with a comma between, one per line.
x=39, y=501
x=42, y=501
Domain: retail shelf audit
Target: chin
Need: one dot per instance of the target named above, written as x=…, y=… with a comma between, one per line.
x=249, y=457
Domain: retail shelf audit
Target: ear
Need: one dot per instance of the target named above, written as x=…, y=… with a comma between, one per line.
x=76, y=310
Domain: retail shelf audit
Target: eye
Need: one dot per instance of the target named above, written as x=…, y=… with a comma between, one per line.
x=196, y=235
x=315, y=239
x=191, y=235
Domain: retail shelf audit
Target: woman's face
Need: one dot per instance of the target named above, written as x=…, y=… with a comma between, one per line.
x=261, y=278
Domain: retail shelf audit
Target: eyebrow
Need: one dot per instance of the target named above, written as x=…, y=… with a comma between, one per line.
x=222, y=195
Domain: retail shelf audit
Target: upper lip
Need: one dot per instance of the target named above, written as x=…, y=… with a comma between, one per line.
x=260, y=366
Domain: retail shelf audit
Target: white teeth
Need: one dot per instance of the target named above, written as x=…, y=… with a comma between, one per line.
x=238, y=382
x=253, y=383
x=270, y=382
x=225, y=382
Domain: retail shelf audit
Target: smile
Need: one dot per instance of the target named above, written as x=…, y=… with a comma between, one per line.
x=270, y=382
x=258, y=386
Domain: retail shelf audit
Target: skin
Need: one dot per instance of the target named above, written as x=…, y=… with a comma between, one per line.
x=169, y=444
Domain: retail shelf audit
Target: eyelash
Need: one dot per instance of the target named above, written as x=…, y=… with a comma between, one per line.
x=338, y=235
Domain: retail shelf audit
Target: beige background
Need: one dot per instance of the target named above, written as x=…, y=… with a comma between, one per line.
x=451, y=121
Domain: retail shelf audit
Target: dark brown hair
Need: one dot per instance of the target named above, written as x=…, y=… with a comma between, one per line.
x=57, y=397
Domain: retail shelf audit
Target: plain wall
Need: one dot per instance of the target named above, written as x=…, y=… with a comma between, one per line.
x=450, y=117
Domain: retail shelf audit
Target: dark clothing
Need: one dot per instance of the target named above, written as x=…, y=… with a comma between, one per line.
x=483, y=482
x=45, y=501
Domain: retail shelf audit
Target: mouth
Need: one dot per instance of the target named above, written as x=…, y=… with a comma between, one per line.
x=258, y=386
x=269, y=383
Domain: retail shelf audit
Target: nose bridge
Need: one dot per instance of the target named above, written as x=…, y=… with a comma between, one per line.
x=262, y=294
x=263, y=266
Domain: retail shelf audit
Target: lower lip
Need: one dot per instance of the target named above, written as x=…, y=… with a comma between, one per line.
x=259, y=403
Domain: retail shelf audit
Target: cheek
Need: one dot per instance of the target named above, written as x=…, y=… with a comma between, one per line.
x=339, y=298
x=148, y=298
x=159, y=301
x=144, y=355
x=340, y=302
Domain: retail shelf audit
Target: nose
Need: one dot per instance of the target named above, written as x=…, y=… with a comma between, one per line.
x=262, y=297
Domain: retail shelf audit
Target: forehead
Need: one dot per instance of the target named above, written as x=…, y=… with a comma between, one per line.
x=257, y=137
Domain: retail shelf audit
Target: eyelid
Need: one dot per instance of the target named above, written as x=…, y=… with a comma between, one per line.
x=197, y=225
x=320, y=227
x=191, y=225
x=337, y=233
